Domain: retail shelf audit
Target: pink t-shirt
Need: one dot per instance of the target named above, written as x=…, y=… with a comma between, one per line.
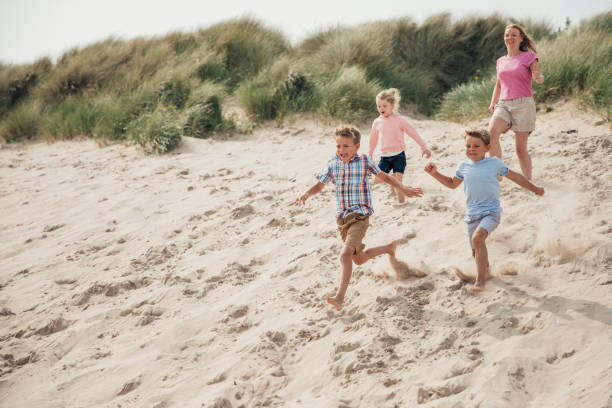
x=391, y=133
x=514, y=75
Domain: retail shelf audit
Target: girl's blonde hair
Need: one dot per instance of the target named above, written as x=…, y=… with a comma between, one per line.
x=527, y=42
x=390, y=95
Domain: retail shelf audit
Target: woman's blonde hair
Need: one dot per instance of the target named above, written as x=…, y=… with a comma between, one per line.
x=527, y=42
x=390, y=95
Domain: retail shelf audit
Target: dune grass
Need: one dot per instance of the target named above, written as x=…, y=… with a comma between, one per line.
x=20, y=123
x=148, y=89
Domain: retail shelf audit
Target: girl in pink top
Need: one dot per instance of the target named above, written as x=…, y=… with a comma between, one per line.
x=512, y=101
x=389, y=128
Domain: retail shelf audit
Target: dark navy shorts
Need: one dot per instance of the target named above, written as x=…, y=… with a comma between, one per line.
x=396, y=163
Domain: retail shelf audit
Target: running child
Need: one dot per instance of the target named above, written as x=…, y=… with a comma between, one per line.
x=482, y=195
x=389, y=128
x=349, y=171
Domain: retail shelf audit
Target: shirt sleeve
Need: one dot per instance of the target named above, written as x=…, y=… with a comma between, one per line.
x=373, y=139
x=324, y=175
x=502, y=169
x=372, y=167
x=530, y=57
x=410, y=131
x=459, y=171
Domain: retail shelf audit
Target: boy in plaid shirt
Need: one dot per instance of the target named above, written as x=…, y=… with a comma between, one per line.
x=349, y=172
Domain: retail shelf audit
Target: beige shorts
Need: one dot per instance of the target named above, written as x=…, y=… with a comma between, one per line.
x=353, y=229
x=519, y=113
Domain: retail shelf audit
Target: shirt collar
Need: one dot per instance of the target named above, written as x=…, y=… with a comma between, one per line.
x=355, y=157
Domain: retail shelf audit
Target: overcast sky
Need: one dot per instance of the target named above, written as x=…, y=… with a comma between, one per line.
x=30, y=29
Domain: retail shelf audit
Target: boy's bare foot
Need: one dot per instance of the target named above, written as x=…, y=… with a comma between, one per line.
x=469, y=278
x=478, y=287
x=335, y=303
x=392, y=248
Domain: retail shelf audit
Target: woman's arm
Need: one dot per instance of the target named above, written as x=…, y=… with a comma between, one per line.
x=536, y=74
x=495, y=96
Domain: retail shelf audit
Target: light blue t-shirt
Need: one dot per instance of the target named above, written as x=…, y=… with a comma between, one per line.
x=481, y=185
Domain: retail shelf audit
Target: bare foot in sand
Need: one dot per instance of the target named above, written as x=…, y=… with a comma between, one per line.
x=478, y=287
x=392, y=247
x=334, y=302
x=469, y=278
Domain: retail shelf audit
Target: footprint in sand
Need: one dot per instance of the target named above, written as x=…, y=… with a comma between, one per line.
x=426, y=394
x=54, y=326
x=241, y=212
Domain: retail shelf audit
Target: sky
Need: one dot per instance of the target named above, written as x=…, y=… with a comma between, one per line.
x=30, y=29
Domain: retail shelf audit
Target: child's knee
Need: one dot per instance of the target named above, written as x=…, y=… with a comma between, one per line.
x=479, y=237
x=360, y=258
x=347, y=253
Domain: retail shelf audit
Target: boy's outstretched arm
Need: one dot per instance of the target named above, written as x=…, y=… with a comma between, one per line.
x=392, y=181
x=523, y=182
x=450, y=182
x=310, y=192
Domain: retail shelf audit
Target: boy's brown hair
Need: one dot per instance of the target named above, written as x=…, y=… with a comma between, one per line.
x=481, y=134
x=348, y=131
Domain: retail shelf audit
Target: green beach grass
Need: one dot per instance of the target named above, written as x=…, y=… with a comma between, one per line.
x=154, y=90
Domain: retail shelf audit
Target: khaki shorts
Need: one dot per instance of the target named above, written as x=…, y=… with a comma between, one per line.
x=352, y=229
x=519, y=113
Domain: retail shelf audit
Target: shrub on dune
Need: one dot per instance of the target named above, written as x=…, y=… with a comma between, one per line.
x=350, y=96
x=156, y=132
x=22, y=122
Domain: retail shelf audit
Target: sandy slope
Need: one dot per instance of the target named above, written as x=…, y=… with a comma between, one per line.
x=188, y=280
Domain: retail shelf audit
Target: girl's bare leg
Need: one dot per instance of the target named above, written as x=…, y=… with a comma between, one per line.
x=400, y=194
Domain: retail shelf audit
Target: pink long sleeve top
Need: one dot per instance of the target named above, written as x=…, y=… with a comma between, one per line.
x=390, y=131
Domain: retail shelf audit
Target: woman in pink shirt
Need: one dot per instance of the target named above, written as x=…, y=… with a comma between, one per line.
x=512, y=101
x=389, y=128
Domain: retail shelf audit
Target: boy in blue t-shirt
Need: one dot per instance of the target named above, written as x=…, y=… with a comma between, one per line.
x=482, y=195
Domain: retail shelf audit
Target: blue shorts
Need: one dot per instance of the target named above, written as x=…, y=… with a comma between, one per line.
x=487, y=222
x=396, y=163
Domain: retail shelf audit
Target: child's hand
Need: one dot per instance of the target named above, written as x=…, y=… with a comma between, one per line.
x=301, y=199
x=539, y=191
x=426, y=153
x=431, y=168
x=412, y=191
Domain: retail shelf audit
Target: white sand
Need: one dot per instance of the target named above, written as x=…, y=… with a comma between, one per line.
x=188, y=280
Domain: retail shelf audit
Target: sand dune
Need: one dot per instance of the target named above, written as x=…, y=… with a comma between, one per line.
x=188, y=280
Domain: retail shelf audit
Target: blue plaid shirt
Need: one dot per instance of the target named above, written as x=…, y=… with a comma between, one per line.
x=352, y=185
